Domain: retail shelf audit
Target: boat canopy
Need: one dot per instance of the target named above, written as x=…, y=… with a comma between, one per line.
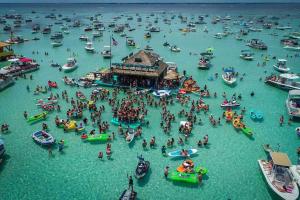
x=282, y=60
x=289, y=76
x=294, y=92
x=25, y=60
x=280, y=159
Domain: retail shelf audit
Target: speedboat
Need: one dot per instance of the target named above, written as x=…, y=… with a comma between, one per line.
x=148, y=48
x=246, y=55
x=89, y=47
x=230, y=104
x=43, y=138
x=293, y=103
x=70, y=65
x=281, y=66
x=97, y=34
x=83, y=38
x=56, y=43
x=229, y=76
x=106, y=53
x=284, y=81
x=130, y=42
x=161, y=93
x=292, y=48
x=141, y=168
x=129, y=138
x=204, y=63
x=175, y=48
x=278, y=175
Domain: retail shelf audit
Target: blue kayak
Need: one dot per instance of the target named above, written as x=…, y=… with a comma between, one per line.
x=178, y=153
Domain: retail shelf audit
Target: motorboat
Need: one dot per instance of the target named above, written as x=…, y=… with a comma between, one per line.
x=284, y=81
x=204, y=63
x=130, y=42
x=282, y=28
x=106, y=53
x=148, y=48
x=246, y=55
x=2, y=148
x=83, y=38
x=161, y=93
x=5, y=80
x=147, y=35
x=97, y=34
x=279, y=176
x=230, y=104
x=70, y=65
x=46, y=30
x=292, y=48
x=142, y=168
x=229, y=76
x=43, y=138
x=257, y=44
x=174, y=48
x=281, y=66
x=57, y=36
x=293, y=103
x=89, y=47
x=218, y=35
x=56, y=43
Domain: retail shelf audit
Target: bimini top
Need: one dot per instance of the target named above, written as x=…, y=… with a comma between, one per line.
x=294, y=92
x=282, y=60
x=280, y=159
x=289, y=76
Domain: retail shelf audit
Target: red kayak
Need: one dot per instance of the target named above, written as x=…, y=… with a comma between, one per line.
x=52, y=84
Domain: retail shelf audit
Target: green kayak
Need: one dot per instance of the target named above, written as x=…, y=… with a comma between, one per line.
x=37, y=118
x=98, y=137
x=247, y=131
x=116, y=122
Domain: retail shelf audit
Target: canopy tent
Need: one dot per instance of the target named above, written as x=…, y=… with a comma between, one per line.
x=280, y=159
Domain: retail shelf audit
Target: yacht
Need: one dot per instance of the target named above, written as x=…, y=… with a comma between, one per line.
x=89, y=47
x=70, y=65
x=293, y=103
x=281, y=66
x=106, y=53
x=284, y=81
x=278, y=175
x=5, y=80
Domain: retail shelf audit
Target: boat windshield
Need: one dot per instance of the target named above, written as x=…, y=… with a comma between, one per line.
x=282, y=175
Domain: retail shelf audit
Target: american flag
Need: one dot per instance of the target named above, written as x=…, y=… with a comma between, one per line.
x=115, y=43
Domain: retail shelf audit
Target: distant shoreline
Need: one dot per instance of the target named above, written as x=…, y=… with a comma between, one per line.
x=224, y=3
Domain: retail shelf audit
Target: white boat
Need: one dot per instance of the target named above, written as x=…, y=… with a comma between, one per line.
x=229, y=78
x=246, y=55
x=84, y=38
x=284, y=81
x=283, y=27
x=281, y=66
x=292, y=48
x=70, y=65
x=230, y=104
x=106, y=53
x=219, y=35
x=97, y=34
x=293, y=103
x=295, y=169
x=278, y=175
x=172, y=66
x=56, y=44
x=175, y=48
x=161, y=93
x=89, y=47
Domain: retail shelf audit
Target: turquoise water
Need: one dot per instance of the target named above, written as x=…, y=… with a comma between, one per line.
x=231, y=158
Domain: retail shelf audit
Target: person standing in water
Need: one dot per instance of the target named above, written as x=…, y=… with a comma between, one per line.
x=130, y=182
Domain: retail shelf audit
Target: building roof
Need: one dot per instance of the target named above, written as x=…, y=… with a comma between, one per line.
x=281, y=159
x=143, y=63
x=4, y=44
